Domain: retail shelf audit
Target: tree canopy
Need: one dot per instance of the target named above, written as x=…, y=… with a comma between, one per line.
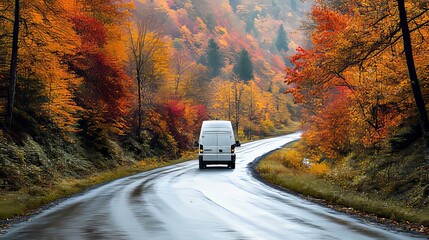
x=282, y=41
x=215, y=60
x=355, y=75
x=244, y=66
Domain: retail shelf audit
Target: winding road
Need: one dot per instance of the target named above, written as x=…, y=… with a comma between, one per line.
x=183, y=202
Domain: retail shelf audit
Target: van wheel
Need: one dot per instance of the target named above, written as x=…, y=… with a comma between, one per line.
x=232, y=164
x=200, y=163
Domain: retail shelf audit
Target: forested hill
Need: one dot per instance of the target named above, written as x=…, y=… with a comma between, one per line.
x=97, y=84
x=267, y=30
x=234, y=25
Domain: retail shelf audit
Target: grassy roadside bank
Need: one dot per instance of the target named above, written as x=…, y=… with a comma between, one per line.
x=273, y=170
x=15, y=204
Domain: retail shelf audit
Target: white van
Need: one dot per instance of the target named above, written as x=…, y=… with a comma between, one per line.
x=217, y=143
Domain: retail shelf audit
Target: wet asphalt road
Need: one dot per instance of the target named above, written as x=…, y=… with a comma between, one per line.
x=183, y=202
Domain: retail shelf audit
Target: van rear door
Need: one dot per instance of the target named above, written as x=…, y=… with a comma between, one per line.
x=224, y=146
x=210, y=145
x=217, y=146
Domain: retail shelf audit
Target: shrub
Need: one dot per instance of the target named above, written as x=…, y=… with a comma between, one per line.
x=319, y=169
x=291, y=158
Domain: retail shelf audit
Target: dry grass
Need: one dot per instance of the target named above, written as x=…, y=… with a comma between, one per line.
x=279, y=170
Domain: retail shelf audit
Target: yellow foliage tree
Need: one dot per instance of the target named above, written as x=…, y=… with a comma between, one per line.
x=150, y=62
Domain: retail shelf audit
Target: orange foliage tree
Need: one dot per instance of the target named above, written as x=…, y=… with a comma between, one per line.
x=42, y=74
x=356, y=47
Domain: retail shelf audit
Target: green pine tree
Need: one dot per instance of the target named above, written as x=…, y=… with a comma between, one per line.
x=275, y=10
x=293, y=5
x=234, y=4
x=215, y=60
x=244, y=66
x=250, y=23
x=282, y=41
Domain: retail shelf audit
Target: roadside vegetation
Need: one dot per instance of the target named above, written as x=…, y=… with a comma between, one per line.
x=387, y=185
x=30, y=198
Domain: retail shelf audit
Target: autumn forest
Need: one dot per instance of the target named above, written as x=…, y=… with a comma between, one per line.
x=118, y=78
x=89, y=85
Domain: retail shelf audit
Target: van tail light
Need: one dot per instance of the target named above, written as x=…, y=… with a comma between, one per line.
x=201, y=148
x=232, y=148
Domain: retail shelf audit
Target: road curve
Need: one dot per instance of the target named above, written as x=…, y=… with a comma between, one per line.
x=183, y=202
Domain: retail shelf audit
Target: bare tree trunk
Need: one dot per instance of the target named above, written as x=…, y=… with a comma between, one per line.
x=237, y=102
x=420, y=103
x=251, y=112
x=229, y=105
x=13, y=67
x=144, y=44
x=139, y=89
x=178, y=75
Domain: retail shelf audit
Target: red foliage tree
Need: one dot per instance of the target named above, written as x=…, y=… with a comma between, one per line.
x=183, y=120
x=91, y=31
x=105, y=91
